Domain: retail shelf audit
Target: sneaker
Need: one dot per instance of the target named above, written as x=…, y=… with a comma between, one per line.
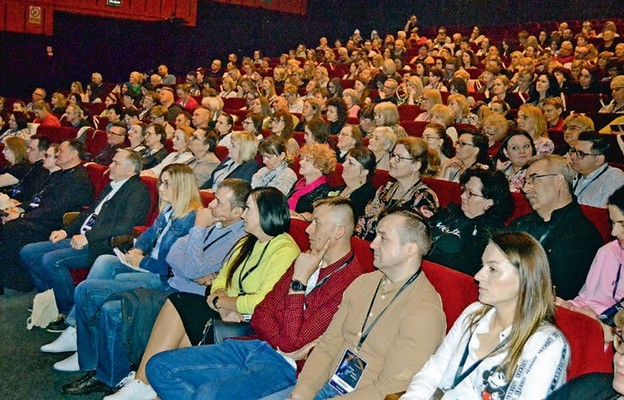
x=58, y=325
x=70, y=364
x=132, y=389
x=67, y=341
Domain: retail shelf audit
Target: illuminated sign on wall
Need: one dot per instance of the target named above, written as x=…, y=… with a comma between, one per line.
x=113, y=3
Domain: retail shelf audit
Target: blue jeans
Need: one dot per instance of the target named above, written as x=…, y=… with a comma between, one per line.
x=48, y=265
x=327, y=392
x=99, y=322
x=235, y=369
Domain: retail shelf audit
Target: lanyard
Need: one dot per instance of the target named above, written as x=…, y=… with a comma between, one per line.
x=606, y=166
x=364, y=334
x=206, y=247
x=461, y=376
x=326, y=278
x=617, y=281
x=244, y=276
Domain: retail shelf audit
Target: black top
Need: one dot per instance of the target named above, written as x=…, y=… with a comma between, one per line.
x=458, y=241
x=360, y=198
x=594, y=386
x=31, y=183
x=152, y=160
x=570, y=241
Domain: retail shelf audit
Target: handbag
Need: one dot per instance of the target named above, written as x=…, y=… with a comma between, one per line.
x=44, y=310
x=216, y=331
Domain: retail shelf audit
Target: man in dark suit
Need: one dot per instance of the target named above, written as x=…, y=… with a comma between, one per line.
x=123, y=204
x=67, y=190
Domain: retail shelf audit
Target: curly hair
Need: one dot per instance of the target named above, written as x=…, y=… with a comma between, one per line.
x=321, y=156
x=495, y=187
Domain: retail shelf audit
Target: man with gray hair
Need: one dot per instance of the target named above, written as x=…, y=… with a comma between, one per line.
x=558, y=223
x=96, y=88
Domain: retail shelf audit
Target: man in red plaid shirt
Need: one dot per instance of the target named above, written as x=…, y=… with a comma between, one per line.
x=287, y=323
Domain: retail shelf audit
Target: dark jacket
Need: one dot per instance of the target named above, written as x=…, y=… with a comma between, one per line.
x=152, y=160
x=105, y=156
x=244, y=171
x=570, y=241
x=31, y=183
x=458, y=241
x=126, y=209
x=306, y=202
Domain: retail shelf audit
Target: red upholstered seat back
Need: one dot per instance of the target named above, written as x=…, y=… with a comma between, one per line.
x=456, y=289
x=221, y=152
x=152, y=186
x=600, y=218
x=97, y=175
x=95, y=141
x=448, y=192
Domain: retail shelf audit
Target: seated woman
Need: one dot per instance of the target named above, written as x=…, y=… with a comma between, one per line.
x=461, y=232
x=336, y=115
x=430, y=97
x=445, y=116
x=58, y=101
x=413, y=90
x=235, y=292
x=316, y=131
x=275, y=172
x=573, y=125
x=15, y=152
x=155, y=136
x=361, y=87
x=348, y=138
x=381, y=143
x=282, y=126
x=223, y=128
x=531, y=119
x=436, y=75
x=253, y=123
x=366, y=115
x=409, y=160
x=439, y=142
x=317, y=161
x=471, y=148
x=18, y=126
x=494, y=127
x=517, y=148
x=240, y=162
x=461, y=108
x=357, y=172
x=546, y=86
x=500, y=91
x=352, y=101
x=552, y=109
x=311, y=109
x=493, y=347
x=136, y=137
x=205, y=161
x=603, y=287
x=180, y=155
x=387, y=114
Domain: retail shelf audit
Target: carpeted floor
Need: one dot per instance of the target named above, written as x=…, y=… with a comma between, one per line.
x=25, y=372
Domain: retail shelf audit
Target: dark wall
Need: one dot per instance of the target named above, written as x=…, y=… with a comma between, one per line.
x=116, y=47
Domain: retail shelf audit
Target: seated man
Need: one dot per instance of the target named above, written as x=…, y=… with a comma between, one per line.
x=69, y=189
x=115, y=139
x=193, y=261
x=388, y=325
x=89, y=235
x=287, y=323
x=595, y=179
x=569, y=238
x=75, y=117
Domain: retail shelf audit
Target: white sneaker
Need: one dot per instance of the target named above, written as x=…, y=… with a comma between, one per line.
x=132, y=389
x=70, y=364
x=67, y=341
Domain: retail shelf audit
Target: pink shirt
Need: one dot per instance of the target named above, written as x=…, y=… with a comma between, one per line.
x=597, y=292
x=301, y=188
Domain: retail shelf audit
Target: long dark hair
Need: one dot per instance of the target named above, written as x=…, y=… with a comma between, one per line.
x=274, y=220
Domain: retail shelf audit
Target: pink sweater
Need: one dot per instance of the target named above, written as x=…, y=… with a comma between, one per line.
x=597, y=292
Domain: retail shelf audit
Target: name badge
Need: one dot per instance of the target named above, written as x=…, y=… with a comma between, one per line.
x=348, y=373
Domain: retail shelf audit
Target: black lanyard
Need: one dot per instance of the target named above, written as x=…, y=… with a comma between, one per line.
x=590, y=182
x=244, y=276
x=364, y=334
x=617, y=282
x=326, y=278
x=207, y=246
x=461, y=376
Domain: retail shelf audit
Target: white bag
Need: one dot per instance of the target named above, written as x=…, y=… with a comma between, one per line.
x=44, y=310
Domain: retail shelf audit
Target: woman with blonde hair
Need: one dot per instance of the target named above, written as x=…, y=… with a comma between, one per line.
x=429, y=98
x=531, y=119
x=58, y=101
x=445, y=116
x=410, y=160
x=413, y=90
x=387, y=114
x=352, y=101
x=461, y=108
x=506, y=345
x=181, y=155
x=240, y=162
x=573, y=125
x=228, y=88
x=381, y=143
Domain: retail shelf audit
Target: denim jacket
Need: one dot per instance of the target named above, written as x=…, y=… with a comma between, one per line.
x=145, y=242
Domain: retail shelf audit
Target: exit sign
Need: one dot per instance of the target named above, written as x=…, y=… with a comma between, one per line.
x=113, y=3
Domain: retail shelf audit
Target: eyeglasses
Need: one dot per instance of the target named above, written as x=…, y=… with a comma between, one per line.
x=469, y=194
x=618, y=341
x=463, y=144
x=530, y=180
x=398, y=158
x=581, y=154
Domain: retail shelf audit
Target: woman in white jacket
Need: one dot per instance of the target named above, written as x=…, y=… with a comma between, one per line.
x=505, y=346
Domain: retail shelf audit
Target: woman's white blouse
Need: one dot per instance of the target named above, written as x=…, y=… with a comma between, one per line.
x=541, y=369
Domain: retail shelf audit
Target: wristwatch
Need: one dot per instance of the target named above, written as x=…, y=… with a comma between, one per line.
x=297, y=286
x=215, y=300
